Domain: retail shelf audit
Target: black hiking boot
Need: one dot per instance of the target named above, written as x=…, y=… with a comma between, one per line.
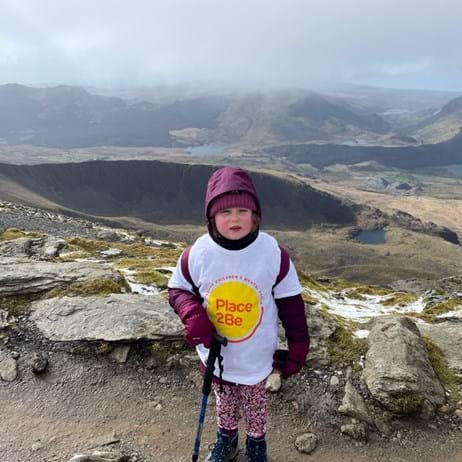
x=255, y=450
x=224, y=449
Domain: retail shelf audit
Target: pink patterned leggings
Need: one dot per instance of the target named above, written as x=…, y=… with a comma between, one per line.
x=236, y=400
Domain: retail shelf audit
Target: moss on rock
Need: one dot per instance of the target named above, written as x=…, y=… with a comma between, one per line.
x=431, y=311
x=309, y=283
x=73, y=255
x=344, y=349
x=307, y=298
x=134, y=263
x=13, y=233
x=89, y=246
x=400, y=299
x=446, y=375
x=88, y=288
x=358, y=292
x=151, y=277
x=406, y=402
x=160, y=256
x=16, y=305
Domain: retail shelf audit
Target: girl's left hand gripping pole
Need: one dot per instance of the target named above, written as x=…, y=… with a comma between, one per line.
x=214, y=353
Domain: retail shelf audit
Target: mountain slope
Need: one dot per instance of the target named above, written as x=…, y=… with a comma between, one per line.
x=166, y=193
x=442, y=126
x=299, y=116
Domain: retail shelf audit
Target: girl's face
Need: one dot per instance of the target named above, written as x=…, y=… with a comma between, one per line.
x=234, y=223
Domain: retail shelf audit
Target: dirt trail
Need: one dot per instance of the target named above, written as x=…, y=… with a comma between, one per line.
x=89, y=402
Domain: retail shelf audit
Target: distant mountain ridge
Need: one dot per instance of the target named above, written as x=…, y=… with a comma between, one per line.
x=71, y=117
x=164, y=193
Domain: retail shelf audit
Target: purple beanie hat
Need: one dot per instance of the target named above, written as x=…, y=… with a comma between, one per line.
x=235, y=199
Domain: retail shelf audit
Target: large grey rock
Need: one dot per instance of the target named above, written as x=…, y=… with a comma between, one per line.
x=353, y=404
x=53, y=247
x=118, y=317
x=447, y=336
x=397, y=370
x=27, y=246
x=24, y=276
x=8, y=367
x=20, y=247
x=321, y=328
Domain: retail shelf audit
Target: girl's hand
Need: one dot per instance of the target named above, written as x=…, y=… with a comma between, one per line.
x=289, y=362
x=198, y=328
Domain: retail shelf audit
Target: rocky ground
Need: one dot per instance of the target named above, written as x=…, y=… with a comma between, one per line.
x=76, y=396
x=85, y=403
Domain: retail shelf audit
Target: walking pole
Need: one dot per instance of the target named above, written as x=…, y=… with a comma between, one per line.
x=214, y=353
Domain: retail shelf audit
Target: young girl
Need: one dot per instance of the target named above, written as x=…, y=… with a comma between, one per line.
x=237, y=281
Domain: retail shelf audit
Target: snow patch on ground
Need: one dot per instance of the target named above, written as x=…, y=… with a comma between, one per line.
x=361, y=311
x=361, y=333
x=143, y=289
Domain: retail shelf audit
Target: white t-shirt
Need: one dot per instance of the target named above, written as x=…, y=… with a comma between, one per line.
x=237, y=288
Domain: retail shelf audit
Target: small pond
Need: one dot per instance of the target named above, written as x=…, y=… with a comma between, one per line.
x=371, y=236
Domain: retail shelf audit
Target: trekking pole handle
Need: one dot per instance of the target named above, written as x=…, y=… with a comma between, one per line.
x=214, y=351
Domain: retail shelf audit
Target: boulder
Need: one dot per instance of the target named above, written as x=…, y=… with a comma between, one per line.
x=8, y=367
x=321, y=328
x=25, y=276
x=397, y=370
x=53, y=247
x=447, y=337
x=20, y=247
x=118, y=317
x=27, y=246
x=353, y=404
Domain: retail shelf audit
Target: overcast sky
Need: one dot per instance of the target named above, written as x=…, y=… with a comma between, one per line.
x=304, y=43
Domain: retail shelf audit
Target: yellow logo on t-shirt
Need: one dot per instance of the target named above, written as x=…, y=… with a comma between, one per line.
x=234, y=309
